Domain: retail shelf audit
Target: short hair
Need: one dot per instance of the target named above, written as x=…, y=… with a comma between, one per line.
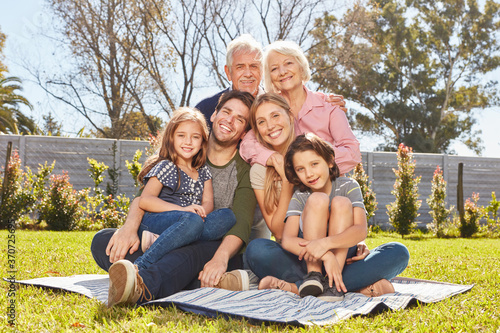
x=243, y=96
x=244, y=43
x=305, y=142
x=287, y=48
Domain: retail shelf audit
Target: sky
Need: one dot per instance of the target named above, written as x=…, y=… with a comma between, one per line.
x=19, y=19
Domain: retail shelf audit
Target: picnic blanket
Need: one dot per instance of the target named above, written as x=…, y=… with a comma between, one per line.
x=270, y=305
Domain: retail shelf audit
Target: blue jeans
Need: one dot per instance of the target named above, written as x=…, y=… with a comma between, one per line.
x=178, y=228
x=266, y=257
x=177, y=270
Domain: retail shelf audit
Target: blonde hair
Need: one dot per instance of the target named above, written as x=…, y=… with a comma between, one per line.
x=271, y=190
x=167, y=151
x=245, y=44
x=287, y=48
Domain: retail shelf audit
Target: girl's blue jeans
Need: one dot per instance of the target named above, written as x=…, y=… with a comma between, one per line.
x=266, y=257
x=177, y=228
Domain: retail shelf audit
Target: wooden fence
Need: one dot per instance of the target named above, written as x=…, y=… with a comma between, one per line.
x=70, y=155
x=481, y=174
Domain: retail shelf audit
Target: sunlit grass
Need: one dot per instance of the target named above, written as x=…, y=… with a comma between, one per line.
x=42, y=254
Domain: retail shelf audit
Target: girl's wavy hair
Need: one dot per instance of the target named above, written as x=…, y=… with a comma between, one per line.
x=166, y=149
x=271, y=189
x=305, y=142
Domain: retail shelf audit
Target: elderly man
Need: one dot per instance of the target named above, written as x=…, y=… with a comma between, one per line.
x=243, y=69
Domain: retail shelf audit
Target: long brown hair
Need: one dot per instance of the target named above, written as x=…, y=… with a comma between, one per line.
x=166, y=150
x=271, y=190
x=305, y=142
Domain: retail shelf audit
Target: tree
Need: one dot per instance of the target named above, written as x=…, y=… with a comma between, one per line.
x=135, y=127
x=12, y=120
x=51, y=127
x=437, y=203
x=403, y=212
x=105, y=38
x=365, y=184
x=147, y=56
x=3, y=37
x=415, y=66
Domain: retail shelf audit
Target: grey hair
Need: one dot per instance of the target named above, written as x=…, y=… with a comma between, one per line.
x=244, y=43
x=287, y=48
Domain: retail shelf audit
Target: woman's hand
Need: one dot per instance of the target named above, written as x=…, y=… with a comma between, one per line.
x=313, y=250
x=197, y=209
x=361, y=253
x=333, y=271
x=277, y=161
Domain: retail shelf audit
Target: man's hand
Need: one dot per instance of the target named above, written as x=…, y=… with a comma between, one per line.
x=197, y=209
x=313, y=250
x=361, y=253
x=336, y=100
x=212, y=272
x=122, y=241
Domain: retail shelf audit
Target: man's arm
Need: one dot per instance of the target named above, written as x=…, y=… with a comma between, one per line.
x=213, y=270
x=126, y=238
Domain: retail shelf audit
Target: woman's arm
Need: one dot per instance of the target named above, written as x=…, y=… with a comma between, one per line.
x=345, y=144
x=207, y=201
x=276, y=220
x=291, y=240
x=252, y=151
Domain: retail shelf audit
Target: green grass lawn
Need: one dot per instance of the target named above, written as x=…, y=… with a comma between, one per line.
x=42, y=254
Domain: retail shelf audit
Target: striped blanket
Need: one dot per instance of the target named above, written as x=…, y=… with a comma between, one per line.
x=270, y=305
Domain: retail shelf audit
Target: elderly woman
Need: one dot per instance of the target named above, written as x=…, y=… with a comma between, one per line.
x=286, y=70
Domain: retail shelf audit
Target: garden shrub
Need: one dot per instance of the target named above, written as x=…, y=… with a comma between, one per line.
x=472, y=214
x=99, y=210
x=490, y=212
x=437, y=204
x=404, y=210
x=369, y=197
x=61, y=208
x=134, y=167
x=23, y=190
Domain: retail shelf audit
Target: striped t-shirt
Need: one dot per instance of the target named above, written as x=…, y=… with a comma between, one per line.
x=342, y=186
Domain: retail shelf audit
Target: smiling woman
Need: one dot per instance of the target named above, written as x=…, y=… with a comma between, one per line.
x=286, y=70
x=273, y=124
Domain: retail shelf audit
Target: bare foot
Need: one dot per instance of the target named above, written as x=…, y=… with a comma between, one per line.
x=379, y=288
x=271, y=282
